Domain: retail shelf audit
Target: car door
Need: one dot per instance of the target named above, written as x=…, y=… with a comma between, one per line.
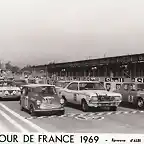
x=75, y=93
x=125, y=90
x=25, y=98
x=22, y=97
x=71, y=91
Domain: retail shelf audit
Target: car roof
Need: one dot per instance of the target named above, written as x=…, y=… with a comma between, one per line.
x=64, y=81
x=86, y=81
x=36, y=85
x=132, y=83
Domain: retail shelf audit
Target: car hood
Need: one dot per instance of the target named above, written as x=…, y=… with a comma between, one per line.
x=53, y=98
x=100, y=92
x=9, y=88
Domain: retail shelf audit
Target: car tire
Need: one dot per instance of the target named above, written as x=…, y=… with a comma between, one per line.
x=113, y=108
x=84, y=106
x=62, y=112
x=31, y=110
x=18, y=99
x=140, y=103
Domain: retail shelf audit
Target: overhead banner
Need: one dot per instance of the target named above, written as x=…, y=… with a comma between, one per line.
x=114, y=79
x=141, y=80
x=94, y=78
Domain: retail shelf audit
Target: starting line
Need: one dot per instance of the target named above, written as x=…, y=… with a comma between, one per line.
x=88, y=116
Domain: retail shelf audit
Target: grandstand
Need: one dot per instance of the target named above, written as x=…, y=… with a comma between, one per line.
x=127, y=66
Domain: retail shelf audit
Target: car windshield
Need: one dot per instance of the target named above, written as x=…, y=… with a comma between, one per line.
x=20, y=82
x=62, y=84
x=140, y=87
x=7, y=84
x=91, y=86
x=31, y=81
x=46, y=90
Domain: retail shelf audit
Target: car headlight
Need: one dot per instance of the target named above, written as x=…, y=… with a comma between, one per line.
x=61, y=101
x=6, y=92
x=117, y=98
x=94, y=98
x=38, y=102
x=14, y=92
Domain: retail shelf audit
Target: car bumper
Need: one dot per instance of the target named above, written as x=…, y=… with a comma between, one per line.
x=104, y=104
x=10, y=97
x=49, y=110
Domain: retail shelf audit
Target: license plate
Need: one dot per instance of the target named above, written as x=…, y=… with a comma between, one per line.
x=105, y=104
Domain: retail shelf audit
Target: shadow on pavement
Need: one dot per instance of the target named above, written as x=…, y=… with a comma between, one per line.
x=10, y=99
x=128, y=105
x=91, y=109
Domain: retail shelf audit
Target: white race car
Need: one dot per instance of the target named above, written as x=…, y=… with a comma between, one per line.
x=9, y=91
x=90, y=94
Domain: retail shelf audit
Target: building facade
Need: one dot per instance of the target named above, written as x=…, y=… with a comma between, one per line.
x=127, y=66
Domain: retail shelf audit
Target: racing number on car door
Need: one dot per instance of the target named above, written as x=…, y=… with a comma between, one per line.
x=130, y=98
x=75, y=97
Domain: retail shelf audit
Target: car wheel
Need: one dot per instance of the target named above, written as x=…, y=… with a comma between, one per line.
x=140, y=103
x=113, y=108
x=84, y=106
x=62, y=112
x=31, y=110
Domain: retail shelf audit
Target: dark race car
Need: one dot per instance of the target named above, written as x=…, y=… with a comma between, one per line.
x=42, y=99
x=133, y=93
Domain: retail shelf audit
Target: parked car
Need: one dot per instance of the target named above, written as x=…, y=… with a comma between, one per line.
x=90, y=94
x=133, y=92
x=41, y=98
x=9, y=90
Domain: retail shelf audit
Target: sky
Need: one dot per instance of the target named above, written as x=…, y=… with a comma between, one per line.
x=41, y=31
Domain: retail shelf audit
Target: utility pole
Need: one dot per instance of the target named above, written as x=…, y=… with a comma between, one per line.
x=104, y=55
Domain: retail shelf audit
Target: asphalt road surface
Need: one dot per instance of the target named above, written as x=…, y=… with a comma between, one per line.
x=124, y=120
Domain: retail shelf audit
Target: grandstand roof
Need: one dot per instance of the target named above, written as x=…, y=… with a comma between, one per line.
x=94, y=62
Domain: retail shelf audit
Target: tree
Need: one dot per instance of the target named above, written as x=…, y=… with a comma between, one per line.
x=11, y=67
x=8, y=66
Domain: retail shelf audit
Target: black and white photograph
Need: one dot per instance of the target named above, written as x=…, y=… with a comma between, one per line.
x=72, y=66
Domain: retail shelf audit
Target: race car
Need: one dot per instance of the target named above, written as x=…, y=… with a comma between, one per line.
x=41, y=99
x=9, y=91
x=90, y=94
x=133, y=92
x=59, y=85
